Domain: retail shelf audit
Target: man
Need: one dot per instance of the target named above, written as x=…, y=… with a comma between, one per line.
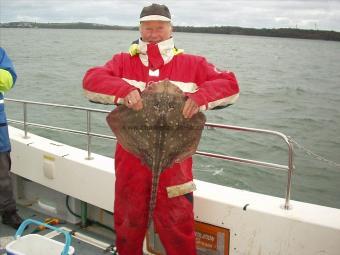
x=154, y=58
x=7, y=203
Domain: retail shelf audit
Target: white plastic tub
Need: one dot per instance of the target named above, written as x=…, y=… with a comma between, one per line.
x=34, y=244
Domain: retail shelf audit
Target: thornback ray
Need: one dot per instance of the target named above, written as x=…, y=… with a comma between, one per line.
x=158, y=134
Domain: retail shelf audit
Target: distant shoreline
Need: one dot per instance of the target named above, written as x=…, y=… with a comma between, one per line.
x=274, y=32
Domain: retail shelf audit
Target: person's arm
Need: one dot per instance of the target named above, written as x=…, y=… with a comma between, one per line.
x=104, y=84
x=216, y=89
x=7, y=72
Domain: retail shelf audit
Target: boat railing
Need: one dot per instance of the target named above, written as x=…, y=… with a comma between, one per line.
x=89, y=134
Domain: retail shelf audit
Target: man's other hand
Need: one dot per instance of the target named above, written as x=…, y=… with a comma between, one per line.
x=190, y=108
x=133, y=100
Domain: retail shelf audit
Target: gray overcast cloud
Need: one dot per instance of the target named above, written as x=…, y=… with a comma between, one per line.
x=305, y=14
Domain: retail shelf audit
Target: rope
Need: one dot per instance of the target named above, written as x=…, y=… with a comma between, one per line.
x=312, y=154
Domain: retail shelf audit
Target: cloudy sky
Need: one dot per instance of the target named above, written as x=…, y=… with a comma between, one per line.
x=304, y=14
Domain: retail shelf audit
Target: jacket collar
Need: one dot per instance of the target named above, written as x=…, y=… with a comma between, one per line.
x=165, y=48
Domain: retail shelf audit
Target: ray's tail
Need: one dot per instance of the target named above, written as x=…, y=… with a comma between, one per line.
x=153, y=196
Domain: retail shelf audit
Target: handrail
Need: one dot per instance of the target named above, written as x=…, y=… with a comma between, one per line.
x=289, y=167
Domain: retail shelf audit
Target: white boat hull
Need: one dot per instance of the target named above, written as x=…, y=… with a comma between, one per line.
x=256, y=223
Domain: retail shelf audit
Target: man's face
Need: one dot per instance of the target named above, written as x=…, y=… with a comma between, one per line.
x=155, y=31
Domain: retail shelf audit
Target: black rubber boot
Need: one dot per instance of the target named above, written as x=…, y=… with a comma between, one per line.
x=11, y=218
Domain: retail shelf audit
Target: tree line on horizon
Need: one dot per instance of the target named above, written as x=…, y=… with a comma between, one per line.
x=270, y=32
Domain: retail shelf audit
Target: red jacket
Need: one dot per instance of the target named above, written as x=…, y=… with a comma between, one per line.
x=206, y=85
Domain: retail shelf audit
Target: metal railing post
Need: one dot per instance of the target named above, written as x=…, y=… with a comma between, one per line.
x=88, y=129
x=25, y=120
x=287, y=205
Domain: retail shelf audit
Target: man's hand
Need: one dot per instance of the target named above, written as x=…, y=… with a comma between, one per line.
x=190, y=108
x=133, y=100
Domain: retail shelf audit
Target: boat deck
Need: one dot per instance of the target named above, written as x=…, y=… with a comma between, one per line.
x=98, y=236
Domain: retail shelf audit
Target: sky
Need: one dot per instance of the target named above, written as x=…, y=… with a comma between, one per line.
x=303, y=14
